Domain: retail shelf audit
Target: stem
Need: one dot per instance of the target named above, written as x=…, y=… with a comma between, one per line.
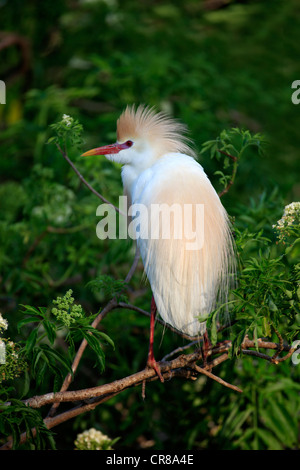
x=234, y=171
x=64, y=154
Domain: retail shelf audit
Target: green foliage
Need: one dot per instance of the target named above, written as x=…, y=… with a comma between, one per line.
x=18, y=418
x=109, y=286
x=231, y=144
x=69, y=320
x=12, y=364
x=67, y=130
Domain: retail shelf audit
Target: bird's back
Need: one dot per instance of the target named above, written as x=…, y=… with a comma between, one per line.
x=188, y=277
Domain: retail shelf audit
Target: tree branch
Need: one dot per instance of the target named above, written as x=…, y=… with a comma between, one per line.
x=182, y=366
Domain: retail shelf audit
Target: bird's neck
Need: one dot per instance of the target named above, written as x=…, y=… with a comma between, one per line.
x=132, y=171
x=129, y=176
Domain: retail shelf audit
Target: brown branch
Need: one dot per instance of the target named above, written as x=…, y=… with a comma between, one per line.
x=51, y=422
x=225, y=190
x=217, y=379
x=260, y=343
x=228, y=155
x=179, y=350
x=167, y=367
x=182, y=366
x=274, y=358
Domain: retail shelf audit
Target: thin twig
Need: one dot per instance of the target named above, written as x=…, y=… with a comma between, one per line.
x=228, y=155
x=85, y=182
x=234, y=170
x=133, y=266
x=225, y=190
x=217, y=379
x=179, y=350
x=274, y=358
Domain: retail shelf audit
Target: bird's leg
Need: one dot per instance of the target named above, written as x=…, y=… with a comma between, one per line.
x=151, y=362
x=206, y=347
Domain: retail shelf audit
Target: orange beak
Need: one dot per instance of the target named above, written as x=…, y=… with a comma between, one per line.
x=106, y=150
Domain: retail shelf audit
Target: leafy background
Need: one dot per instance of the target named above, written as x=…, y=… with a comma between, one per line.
x=214, y=65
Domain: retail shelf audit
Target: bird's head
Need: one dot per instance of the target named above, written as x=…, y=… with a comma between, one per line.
x=143, y=136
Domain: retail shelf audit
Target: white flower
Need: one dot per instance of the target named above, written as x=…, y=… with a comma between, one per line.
x=289, y=219
x=2, y=352
x=291, y=212
x=68, y=120
x=3, y=323
x=92, y=439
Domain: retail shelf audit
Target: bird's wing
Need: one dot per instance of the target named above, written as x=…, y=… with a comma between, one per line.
x=187, y=276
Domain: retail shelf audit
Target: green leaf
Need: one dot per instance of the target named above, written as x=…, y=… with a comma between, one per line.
x=269, y=439
x=56, y=356
x=26, y=384
x=106, y=338
x=30, y=343
x=41, y=370
x=278, y=420
x=266, y=327
x=50, y=330
x=24, y=321
x=213, y=327
x=95, y=345
x=28, y=308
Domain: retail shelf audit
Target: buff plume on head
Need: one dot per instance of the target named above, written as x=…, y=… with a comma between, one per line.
x=163, y=132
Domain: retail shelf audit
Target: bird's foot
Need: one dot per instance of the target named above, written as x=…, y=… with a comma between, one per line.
x=155, y=366
x=151, y=363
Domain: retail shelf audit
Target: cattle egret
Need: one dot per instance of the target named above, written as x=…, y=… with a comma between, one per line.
x=159, y=170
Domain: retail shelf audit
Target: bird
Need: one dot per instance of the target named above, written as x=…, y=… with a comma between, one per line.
x=159, y=169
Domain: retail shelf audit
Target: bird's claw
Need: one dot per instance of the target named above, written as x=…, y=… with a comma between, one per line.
x=156, y=367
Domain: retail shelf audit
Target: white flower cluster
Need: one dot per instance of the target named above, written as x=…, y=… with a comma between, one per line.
x=290, y=217
x=3, y=323
x=68, y=120
x=3, y=326
x=92, y=439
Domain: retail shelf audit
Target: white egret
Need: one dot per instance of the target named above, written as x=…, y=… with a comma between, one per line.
x=189, y=277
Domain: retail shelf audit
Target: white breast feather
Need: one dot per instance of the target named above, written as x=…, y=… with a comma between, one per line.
x=187, y=285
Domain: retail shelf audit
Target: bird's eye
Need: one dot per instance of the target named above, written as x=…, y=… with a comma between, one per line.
x=129, y=143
